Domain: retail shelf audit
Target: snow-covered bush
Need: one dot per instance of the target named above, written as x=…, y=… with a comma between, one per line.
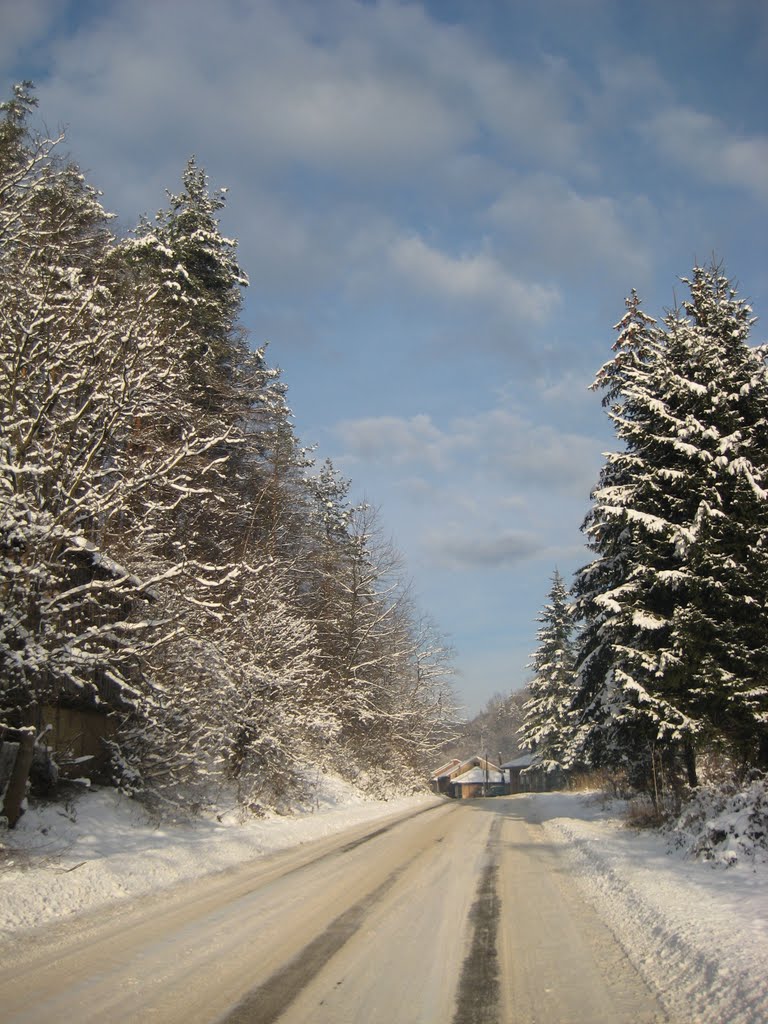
x=725, y=824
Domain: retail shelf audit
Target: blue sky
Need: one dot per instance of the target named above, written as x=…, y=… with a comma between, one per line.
x=441, y=207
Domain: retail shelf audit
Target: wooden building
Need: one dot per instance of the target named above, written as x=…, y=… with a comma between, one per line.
x=456, y=778
x=529, y=773
x=486, y=781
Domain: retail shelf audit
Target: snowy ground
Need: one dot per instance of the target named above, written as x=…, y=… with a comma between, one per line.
x=65, y=859
x=698, y=932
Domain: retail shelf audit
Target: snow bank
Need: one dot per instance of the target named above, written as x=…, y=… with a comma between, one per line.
x=726, y=825
x=697, y=934
x=64, y=859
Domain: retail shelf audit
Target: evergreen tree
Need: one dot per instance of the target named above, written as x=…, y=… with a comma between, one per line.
x=195, y=264
x=675, y=602
x=547, y=724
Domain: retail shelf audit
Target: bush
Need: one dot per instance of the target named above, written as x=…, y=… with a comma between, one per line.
x=725, y=824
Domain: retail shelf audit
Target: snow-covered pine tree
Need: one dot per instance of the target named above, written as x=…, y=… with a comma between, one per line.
x=616, y=721
x=547, y=725
x=674, y=603
x=717, y=658
x=185, y=251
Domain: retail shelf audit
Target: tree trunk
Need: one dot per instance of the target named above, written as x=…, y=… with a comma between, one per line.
x=689, y=754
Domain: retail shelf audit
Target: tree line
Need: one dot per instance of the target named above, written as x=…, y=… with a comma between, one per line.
x=169, y=551
x=657, y=656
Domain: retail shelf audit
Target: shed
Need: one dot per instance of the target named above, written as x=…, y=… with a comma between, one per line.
x=514, y=769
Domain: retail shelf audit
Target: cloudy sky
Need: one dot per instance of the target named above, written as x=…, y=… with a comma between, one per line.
x=441, y=207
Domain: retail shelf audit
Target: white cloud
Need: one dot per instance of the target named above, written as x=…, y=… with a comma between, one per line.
x=509, y=446
x=274, y=84
x=352, y=89
x=559, y=227
x=395, y=440
x=477, y=278
x=710, y=150
x=458, y=549
x=499, y=445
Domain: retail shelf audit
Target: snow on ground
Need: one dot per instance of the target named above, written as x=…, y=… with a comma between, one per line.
x=698, y=932
x=68, y=858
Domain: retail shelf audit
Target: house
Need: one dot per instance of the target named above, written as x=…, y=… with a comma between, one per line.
x=513, y=773
x=445, y=779
x=485, y=781
x=441, y=778
x=530, y=773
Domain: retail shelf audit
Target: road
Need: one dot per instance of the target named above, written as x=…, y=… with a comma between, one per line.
x=460, y=913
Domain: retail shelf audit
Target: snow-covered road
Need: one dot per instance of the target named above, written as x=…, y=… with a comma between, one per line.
x=458, y=912
x=515, y=909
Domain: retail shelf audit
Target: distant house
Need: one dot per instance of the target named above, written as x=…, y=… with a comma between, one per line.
x=442, y=778
x=474, y=776
x=486, y=781
x=530, y=773
x=513, y=771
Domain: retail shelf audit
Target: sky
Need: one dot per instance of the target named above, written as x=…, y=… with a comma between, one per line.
x=441, y=207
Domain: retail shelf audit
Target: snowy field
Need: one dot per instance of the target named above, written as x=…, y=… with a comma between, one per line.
x=697, y=932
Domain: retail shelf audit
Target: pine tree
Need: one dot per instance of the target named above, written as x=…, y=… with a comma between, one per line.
x=547, y=725
x=196, y=266
x=674, y=604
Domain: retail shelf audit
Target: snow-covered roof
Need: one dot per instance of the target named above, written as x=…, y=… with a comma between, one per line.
x=447, y=768
x=524, y=761
x=478, y=775
x=478, y=761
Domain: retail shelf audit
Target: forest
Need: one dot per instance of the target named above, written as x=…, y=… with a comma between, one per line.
x=171, y=554
x=174, y=559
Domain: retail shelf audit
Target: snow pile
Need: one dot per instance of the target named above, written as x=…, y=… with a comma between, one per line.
x=100, y=847
x=726, y=824
x=697, y=935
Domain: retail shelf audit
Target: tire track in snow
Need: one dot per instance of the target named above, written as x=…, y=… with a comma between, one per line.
x=265, y=1004
x=479, y=985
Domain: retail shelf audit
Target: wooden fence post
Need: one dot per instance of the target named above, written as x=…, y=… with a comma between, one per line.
x=24, y=742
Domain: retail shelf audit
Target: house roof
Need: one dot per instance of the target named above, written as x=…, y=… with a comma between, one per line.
x=478, y=761
x=475, y=775
x=447, y=768
x=455, y=767
x=524, y=761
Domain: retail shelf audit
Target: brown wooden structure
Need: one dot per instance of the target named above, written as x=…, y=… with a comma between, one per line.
x=459, y=779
